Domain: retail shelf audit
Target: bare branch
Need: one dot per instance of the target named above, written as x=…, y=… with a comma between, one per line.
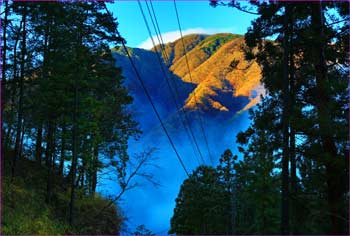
x=337, y=22
x=142, y=159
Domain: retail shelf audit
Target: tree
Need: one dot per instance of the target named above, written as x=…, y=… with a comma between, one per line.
x=257, y=182
x=202, y=204
x=291, y=71
x=4, y=48
x=17, y=151
x=226, y=172
x=323, y=101
x=72, y=106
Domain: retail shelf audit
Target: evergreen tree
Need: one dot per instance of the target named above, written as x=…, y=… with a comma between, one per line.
x=301, y=50
x=294, y=70
x=202, y=204
x=65, y=96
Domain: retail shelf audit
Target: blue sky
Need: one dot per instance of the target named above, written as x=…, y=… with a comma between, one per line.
x=154, y=206
x=195, y=17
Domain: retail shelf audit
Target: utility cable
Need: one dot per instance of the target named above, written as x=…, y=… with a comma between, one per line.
x=161, y=64
x=167, y=59
x=194, y=91
x=138, y=76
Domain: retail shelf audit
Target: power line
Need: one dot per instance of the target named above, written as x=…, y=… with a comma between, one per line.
x=160, y=61
x=146, y=91
x=194, y=91
x=176, y=88
x=161, y=43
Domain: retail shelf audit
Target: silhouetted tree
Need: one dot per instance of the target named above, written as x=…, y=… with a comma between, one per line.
x=202, y=204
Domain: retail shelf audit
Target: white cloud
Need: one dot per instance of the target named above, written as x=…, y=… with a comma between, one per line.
x=174, y=35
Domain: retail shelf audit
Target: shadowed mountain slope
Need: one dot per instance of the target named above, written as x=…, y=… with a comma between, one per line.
x=220, y=81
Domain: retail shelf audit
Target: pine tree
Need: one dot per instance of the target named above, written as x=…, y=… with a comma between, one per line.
x=72, y=104
x=309, y=92
x=201, y=205
x=296, y=70
x=17, y=149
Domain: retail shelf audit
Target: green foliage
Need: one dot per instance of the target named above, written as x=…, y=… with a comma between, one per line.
x=24, y=213
x=238, y=197
x=257, y=180
x=226, y=169
x=306, y=54
x=86, y=222
x=203, y=204
x=120, y=50
x=212, y=43
x=72, y=109
x=24, y=210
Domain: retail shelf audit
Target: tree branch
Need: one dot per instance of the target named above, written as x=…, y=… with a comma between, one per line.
x=142, y=158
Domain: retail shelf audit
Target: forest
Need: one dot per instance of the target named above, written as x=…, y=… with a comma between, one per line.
x=67, y=122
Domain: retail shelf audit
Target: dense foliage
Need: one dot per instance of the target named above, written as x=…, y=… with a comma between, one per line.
x=293, y=176
x=64, y=108
x=24, y=210
x=302, y=121
x=66, y=120
x=202, y=206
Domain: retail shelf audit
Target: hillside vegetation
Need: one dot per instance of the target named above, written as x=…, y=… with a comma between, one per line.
x=288, y=173
x=174, y=50
x=199, y=54
x=25, y=211
x=224, y=71
x=222, y=80
x=64, y=119
x=218, y=69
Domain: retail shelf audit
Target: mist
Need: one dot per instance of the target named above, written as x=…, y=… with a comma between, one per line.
x=153, y=205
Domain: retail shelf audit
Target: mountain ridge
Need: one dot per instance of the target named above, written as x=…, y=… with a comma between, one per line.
x=220, y=79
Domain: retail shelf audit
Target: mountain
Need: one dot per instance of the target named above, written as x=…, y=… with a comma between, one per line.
x=152, y=74
x=220, y=82
x=225, y=85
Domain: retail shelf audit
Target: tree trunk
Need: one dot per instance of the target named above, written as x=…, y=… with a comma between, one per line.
x=75, y=144
x=22, y=138
x=75, y=155
x=63, y=148
x=17, y=152
x=3, y=77
x=47, y=149
x=82, y=183
x=94, y=172
x=49, y=164
x=8, y=139
x=38, y=147
x=334, y=192
x=285, y=123
x=292, y=140
x=4, y=51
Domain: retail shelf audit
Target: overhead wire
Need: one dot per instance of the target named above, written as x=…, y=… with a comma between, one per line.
x=161, y=64
x=187, y=123
x=138, y=76
x=190, y=75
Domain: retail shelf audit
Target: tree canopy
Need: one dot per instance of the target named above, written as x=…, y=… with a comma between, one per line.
x=291, y=176
x=64, y=106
